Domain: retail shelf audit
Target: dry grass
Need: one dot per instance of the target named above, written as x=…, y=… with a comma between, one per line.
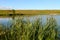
x=30, y=12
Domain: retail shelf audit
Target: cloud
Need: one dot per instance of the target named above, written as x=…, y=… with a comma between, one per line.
x=5, y=8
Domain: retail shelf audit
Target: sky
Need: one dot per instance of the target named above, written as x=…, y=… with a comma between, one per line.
x=30, y=4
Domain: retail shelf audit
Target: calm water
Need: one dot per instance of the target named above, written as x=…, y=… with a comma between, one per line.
x=8, y=21
x=44, y=18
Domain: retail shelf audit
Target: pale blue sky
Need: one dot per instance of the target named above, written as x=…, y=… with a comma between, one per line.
x=31, y=4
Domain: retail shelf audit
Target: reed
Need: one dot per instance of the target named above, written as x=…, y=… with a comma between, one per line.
x=26, y=30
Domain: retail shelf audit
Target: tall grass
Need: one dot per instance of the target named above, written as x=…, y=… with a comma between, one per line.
x=26, y=30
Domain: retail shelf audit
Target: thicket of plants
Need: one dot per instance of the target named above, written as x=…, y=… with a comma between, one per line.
x=26, y=30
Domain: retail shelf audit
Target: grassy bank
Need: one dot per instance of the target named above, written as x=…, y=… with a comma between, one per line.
x=26, y=30
x=25, y=12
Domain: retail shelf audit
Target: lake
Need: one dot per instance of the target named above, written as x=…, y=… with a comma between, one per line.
x=8, y=21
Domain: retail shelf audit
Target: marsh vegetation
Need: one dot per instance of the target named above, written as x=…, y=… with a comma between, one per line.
x=27, y=30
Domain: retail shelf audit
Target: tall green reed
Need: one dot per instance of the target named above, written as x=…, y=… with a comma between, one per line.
x=26, y=30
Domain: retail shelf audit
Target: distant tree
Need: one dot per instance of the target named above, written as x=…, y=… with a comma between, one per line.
x=13, y=13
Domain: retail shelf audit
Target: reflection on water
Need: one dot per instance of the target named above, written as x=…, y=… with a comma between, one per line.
x=7, y=21
x=44, y=18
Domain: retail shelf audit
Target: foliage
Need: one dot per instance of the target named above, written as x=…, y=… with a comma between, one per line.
x=26, y=30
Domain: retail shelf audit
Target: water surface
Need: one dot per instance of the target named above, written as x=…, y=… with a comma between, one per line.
x=8, y=21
